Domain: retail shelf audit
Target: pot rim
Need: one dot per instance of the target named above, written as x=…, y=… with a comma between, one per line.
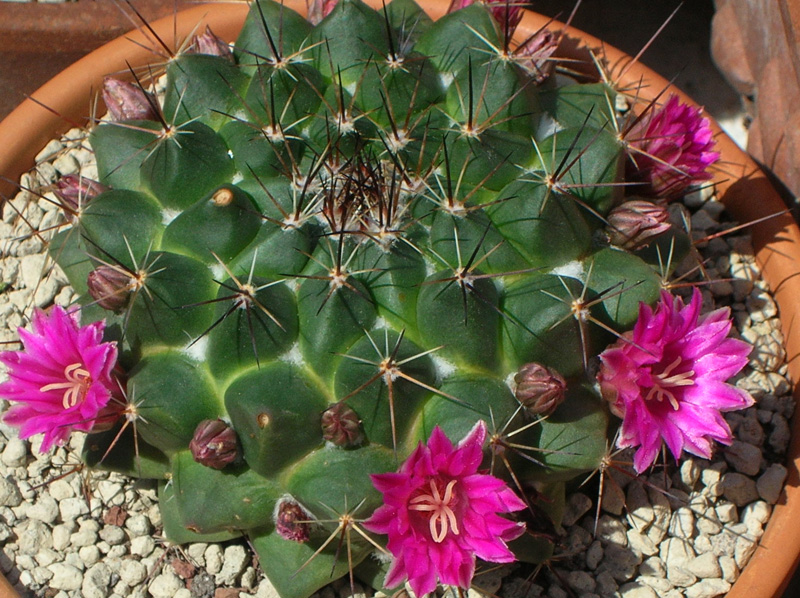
x=739, y=183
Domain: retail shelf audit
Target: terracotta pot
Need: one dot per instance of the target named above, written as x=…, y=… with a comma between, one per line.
x=740, y=184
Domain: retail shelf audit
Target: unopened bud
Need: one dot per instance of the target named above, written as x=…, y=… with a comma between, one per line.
x=209, y=43
x=535, y=54
x=341, y=425
x=76, y=191
x=126, y=101
x=214, y=444
x=292, y=521
x=635, y=223
x=110, y=287
x=319, y=9
x=540, y=389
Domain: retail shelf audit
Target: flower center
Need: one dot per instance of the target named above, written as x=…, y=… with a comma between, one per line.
x=665, y=383
x=76, y=386
x=442, y=517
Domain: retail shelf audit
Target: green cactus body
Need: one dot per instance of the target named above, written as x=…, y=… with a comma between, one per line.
x=364, y=220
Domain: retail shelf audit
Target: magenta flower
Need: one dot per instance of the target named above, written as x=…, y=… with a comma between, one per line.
x=671, y=147
x=61, y=381
x=440, y=513
x=667, y=379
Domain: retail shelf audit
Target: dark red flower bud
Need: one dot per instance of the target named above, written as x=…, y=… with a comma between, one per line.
x=341, y=425
x=540, y=389
x=535, y=54
x=209, y=43
x=214, y=444
x=126, y=101
x=292, y=521
x=76, y=191
x=110, y=287
x=635, y=223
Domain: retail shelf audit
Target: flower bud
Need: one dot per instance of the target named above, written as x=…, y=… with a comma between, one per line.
x=535, y=54
x=635, y=223
x=126, y=101
x=341, y=425
x=540, y=389
x=292, y=521
x=208, y=43
x=214, y=444
x=110, y=287
x=319, y=9
x=76, y=191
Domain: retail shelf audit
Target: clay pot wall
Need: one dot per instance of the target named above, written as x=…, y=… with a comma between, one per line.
x=756, y=44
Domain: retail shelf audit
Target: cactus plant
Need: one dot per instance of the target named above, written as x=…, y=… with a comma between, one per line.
x=319, y=250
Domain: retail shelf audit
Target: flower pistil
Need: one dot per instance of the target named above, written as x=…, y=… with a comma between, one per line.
x=442, y=517
x=664, y=382
x=76, y=386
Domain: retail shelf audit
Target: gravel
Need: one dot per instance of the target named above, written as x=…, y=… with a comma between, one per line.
x=683, y=532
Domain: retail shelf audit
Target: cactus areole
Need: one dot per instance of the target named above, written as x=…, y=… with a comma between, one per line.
x=326, y=255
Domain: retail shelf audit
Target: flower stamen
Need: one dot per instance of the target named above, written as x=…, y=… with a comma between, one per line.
x=664, y=382
x=76, y=386
x=443, y=518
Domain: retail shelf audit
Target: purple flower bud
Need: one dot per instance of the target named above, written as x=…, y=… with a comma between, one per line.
x=341, y=425
x=76, y=191
x=126, y=101
x=635, y=223
x=292, y=521
x=535, y=54
x=110, y=287
x=214, y=444
x=540, y=389
x=209, y=43
x=671, y=147
x=319, y=9
x=507, y=13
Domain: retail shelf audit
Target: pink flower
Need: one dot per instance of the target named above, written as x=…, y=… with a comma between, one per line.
x=440, y=513
x=61, y=381
x=671, y=147
x=667, y=379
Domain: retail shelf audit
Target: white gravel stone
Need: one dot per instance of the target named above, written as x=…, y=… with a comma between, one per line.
x=730, y=572
x=266, y=590
x=96, y=581
x=165, y=585
x=138, y=525
x=89, y=555
x=676, y=554
x=33, y=536
x=640, y=543
x=61, y=535
x=637, y=590
x=45, y=509
x=708, y=588
x=132, y=572
x=214, y=559
x=113, y=534
x=682, y=523
x=234, y=561
x=143, y=546
x=9, y=492
x=704, y=566
x=15, y=453
x=65, y=577
x=73, y=508
x=659, y=584
x=770, y=483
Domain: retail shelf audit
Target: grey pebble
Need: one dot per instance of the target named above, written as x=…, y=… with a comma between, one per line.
x=770, y=483
x=113, y=534
x=743, y=457
x=739, y=489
